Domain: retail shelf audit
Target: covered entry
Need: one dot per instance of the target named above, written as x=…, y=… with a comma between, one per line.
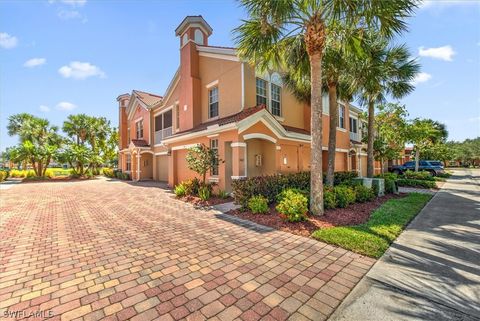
x=261, y=154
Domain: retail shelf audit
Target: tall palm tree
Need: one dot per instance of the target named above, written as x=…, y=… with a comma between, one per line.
x=380, y=71
x=273, y=28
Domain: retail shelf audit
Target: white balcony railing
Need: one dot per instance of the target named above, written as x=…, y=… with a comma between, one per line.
x=162, y=134
x=355, y=137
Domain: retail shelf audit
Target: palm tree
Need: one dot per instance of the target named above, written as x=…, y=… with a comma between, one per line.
x=274, y=28
x=380, y=71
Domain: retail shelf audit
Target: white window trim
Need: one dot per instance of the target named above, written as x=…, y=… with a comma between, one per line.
x=209, y=103
x=212, y=84
x=271, y=99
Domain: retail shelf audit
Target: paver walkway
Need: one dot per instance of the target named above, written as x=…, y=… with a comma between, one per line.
x=432, y=271
x=112, y=250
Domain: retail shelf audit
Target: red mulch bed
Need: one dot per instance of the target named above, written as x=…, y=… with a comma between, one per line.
x=354, y=214
x=196, y=201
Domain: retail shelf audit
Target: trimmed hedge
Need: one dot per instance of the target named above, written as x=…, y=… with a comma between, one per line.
x=268, y=186
x=258, y=204
x=423, y=175
x=416, y=183
x=272, y=185
x=3, y=175
x=293, y=207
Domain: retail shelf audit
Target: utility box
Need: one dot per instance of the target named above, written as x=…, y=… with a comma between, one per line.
x=365, y=181
x=378, y=185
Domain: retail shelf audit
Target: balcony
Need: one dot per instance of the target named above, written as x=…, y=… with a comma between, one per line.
x=356, y=137
x=162, y=134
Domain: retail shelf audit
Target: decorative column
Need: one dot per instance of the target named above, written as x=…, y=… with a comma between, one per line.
x=138, y=165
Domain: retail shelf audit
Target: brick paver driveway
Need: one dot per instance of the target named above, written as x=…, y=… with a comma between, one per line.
x=107, y=249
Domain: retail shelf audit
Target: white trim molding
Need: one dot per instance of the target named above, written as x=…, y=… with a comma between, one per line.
x=259, y=136
x=212, y=84
x=161, y=154
x=146, y=152
x=278, y=147
x=184, y=146
x=238, y=144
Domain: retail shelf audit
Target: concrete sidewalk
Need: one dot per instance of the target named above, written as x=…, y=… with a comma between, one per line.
x=432, y=271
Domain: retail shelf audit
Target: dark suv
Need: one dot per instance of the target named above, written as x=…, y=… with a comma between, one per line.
x=433, y=167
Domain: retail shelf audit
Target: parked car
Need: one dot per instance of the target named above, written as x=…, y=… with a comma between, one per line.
x=433, y=167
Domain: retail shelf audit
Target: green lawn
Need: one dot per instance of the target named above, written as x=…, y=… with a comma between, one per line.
x=385, y=224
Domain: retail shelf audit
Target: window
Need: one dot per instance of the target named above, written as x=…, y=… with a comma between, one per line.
x=129, y=163
x=128, y=135
x=177, y=116
x=261, y=91
x=214, y=146
x=341, y=116
x=139, y=128
x=276, y=95
x=353, y=125
x=213, y=102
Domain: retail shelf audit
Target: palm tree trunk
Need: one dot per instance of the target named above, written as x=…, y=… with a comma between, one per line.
x=316, y=177
x=417, y=158
x=371, y=132
x=332, y=134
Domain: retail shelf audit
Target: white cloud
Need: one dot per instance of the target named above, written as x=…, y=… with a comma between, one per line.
x=34, y=62
x=44, y=108
x=69, y=14
x=73, y=3
x=421, y=77
x=474, y=119
x=81, y=70
x=7, y=41
x=443, y=53
x=426, y=4
x=66, y=106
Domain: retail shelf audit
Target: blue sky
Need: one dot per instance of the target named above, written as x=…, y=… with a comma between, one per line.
x=76, y=56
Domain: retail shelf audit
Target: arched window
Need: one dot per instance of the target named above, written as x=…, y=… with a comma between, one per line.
x=198, y=37
x=184, y=39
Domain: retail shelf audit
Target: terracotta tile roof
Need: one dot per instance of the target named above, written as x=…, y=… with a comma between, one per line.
x=147, y=98
x=140, y=143
x=296, y=130
x=226, y=120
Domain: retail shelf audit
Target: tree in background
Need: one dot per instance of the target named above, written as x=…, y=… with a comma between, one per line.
x=381, y=70
x=276, y=28
x=391, y=127
x=423, y=134
x=90, y=143
x=39, y=141
x=443, y=152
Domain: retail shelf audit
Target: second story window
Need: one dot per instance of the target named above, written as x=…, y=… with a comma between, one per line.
x=341, y=116
x=353, y=125
x=276, y=100
x=213, y=102
x=214, y=146
x=139, y=129
x=177, y=116
x=261, y=91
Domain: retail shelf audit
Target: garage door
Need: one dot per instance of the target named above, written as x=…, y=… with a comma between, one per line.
x=162, y=168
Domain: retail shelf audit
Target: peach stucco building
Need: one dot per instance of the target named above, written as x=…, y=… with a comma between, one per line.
x=214, y=98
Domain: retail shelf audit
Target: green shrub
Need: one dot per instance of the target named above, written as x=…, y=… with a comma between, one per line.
x=387, y=176
x=204, y=192
x=389, y=186
x=108, y=172
x=329, y=199
x=119, y=175
x=363, y=194
x=424, y=175
x=268, y=186
x=444, y=175
x=343, y=178
x=192, y=186
x=258, y=204
x=294, y=206
x=3, y=175
x=416, y=183
x=126, y=176
x=223, y=194
x=180, y=190
x=283, y=193
x=345, y=195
